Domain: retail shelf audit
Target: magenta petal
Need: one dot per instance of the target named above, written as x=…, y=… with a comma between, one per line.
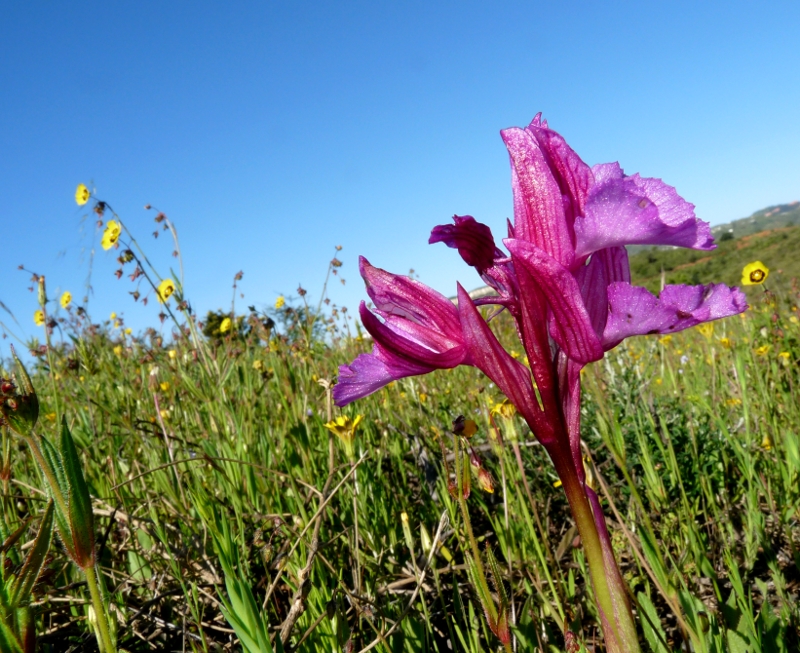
x=395, y=294
x=539, y=215
x=472, y=239
x=408, y=341
x=511, y=376
x=633, y=210
x=362, y=377
x=604, y=268
x=572, y=175
x=634, y=311
x=572, y=326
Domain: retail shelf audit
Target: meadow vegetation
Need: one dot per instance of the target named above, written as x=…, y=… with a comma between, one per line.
x=228, y=516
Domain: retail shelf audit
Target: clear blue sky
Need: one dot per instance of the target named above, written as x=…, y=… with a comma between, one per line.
x=270, y=132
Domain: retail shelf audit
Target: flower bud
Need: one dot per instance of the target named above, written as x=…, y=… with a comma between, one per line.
x=21, y=409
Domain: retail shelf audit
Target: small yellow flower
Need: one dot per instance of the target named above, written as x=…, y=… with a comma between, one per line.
x=82, y=194
x=784, y=356
x=706, y=329
x=794, y=319
x=66, y=299
x=128, y=331
x=111, y=234
x=733, y=401
x=113, y=316
x=164, y=385
x=665, y=340
x=557, y=484
x=423, y=397
x=514, y=354
x=763, y=350
x=504, y=409
x=38, y=317
x=225, y=325
x=258, y=365
x=172, y=354
x=280, y=302
x=659, y=381
x=726, y=342
x=118, y=350
x=164, y=414
x=165, y=290
x=345, y=429
x=766, y=443
x=754, y=273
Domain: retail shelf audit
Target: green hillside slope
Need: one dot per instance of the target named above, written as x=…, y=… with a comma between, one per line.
x=778, y=249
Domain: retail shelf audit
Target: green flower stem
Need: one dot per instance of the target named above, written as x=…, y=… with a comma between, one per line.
x=49, y=474
x=608, y=593
x=99, y=609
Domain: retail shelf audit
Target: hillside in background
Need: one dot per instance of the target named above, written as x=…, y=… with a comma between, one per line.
x=777, y=248
x=772, y=217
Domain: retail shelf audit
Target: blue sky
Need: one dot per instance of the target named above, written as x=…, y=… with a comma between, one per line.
x=271, y=132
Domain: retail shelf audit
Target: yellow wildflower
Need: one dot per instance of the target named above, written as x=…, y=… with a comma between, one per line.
x=273, y=345
x=113, y=316
x=164, y=385
x=128, y=331
x=118, y=350
x=345, y=429
x=66, y=299
x=504, y=409
x=165, y=290
x=172, y=354
x=111, y=234
x=659, y=381
x=794, y=319
x=82, y=194
x=423, y=397
x=557, y=484
x=706, y=329
x=763, y=350
x=725, y=342
x=514, y=354
x=784, y=356
x=164, y=414
x=766, y=443
x=225, y=325
x=258, y=365
x=733, y=401
x=754, y=273
x=38, y=317
x=52, y=417
x=665, y=340
x=280, y=302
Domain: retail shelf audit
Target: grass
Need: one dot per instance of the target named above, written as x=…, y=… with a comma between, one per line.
x=227, y=517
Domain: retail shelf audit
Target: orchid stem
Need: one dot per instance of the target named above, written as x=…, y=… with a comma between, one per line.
x=610, y=595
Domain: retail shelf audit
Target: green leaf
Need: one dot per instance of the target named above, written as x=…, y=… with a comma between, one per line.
x=651, y=625
x=79, y=502
x=35, y=560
